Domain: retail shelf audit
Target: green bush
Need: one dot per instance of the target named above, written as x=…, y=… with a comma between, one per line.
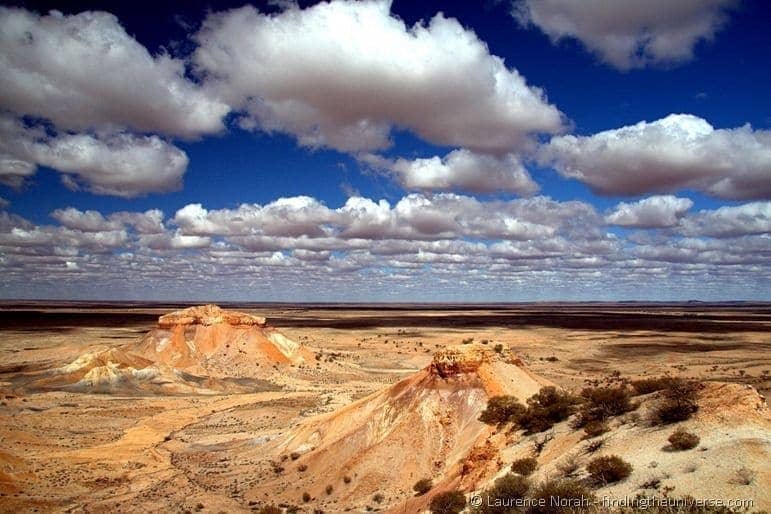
x=498, y=498
x=681, y=439
x=608, y=469
x=524, y=467
x=601, y=403
x=448, y=502
x=545, y=408
x=422, y=486
x=572, y=497
x=501, y=410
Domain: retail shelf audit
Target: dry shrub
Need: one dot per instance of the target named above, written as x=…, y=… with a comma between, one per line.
x=571, y=490
x=501, y=410
x=608, y=469
x=677, y=403
x=743, y=476
x=269, y=509
x=651, y=483
x=508, y=487
x=540, y=442
x=524, y=467
x=569, y=467
x=545, y=408
x=594, y=446
x=601, y=403
x=595, y=428
x=651, y=385
x=422, y=486
x=681, y=439
x=448, y=502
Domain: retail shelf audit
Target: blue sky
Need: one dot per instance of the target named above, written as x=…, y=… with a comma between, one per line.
x=299, y=153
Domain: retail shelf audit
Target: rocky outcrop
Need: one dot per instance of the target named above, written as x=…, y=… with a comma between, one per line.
x=118, y=371
x=215, y=342
x=426, y=425
x=501, y=372
x=208, y=315
x=200, y=350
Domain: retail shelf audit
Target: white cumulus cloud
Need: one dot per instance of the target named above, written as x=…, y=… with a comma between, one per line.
x=628, y=33
x=459, y=170
x=85, y=72
x=117, y=164
x=341, y=74
x=730, y=221
x=654, y=212
x=677, y=152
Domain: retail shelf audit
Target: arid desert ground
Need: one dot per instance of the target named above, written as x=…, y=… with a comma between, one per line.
x=333, y=408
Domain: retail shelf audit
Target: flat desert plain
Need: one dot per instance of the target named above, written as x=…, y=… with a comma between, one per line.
x=223, y=445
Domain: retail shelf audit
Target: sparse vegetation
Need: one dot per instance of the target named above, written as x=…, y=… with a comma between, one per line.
x=448, y=502
x=651, y=483
x=524, y=467
x=651, y=385
x=574, y=497
x=595, y=428
x=681, y=439
x=540, y=443
x=347, y=479
x=594, y=446
x=329, y=489
x=601, y=403
x=545, y=408
x=269, y=509
x=743, y=476
x=468, y=340
x=306, y=497
x=608, y=469
x=569, y=467
x=378, y=498
x=498, y=348
x=508, y=487
x=422, y=486
x=302, y=467
x=678, y=403
x=501, y=410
